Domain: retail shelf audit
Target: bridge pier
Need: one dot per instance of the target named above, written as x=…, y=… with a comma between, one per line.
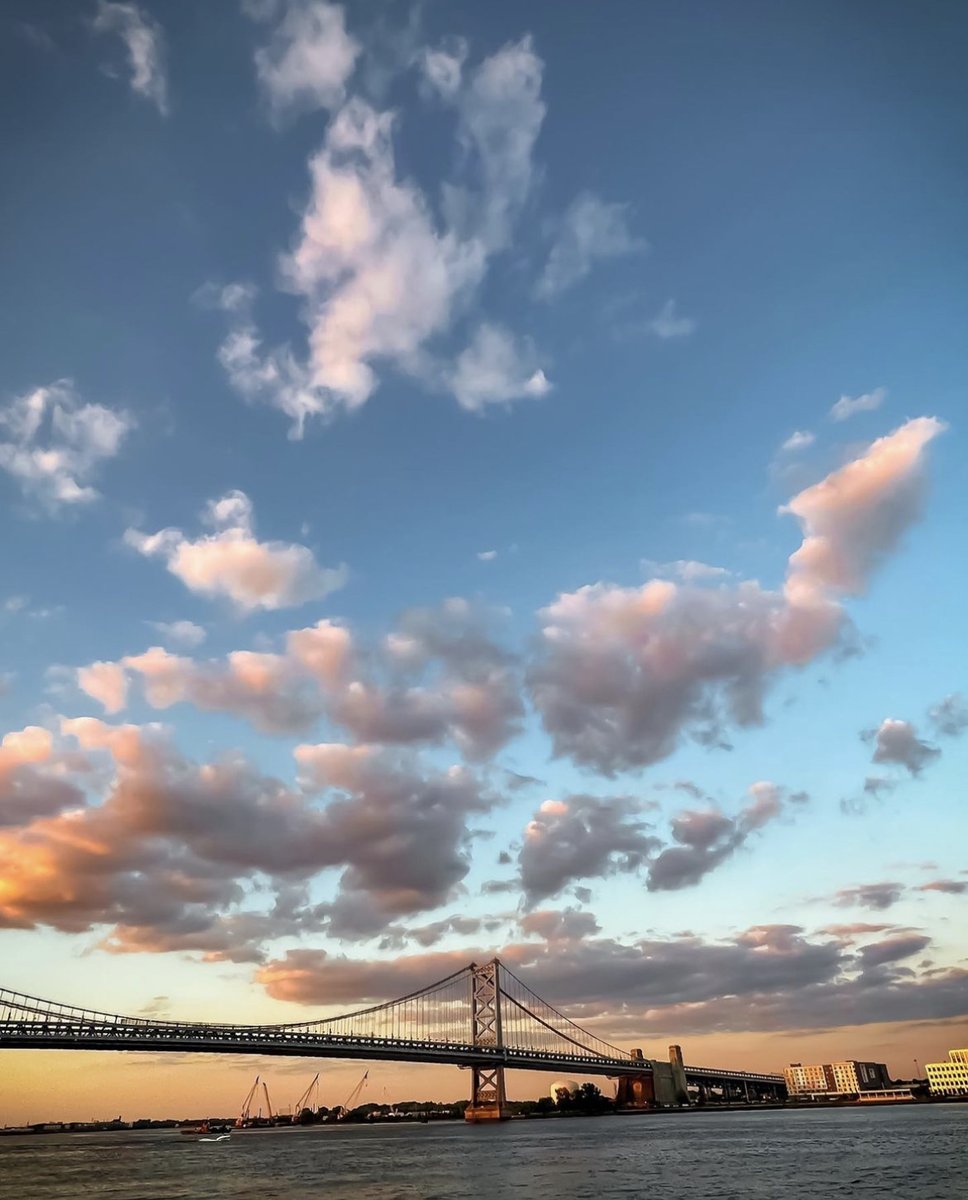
x=488, y=1097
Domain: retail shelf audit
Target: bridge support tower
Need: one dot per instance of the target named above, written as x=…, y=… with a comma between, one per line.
x=488, y=1097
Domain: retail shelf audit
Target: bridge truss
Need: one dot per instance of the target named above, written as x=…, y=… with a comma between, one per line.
x=481, y=1017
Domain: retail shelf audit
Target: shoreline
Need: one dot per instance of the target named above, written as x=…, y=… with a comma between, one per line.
x=170, y=1125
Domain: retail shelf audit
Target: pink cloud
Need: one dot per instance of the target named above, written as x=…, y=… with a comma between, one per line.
x=624, y=673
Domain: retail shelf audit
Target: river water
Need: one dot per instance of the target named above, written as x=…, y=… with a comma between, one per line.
x=894, y=1152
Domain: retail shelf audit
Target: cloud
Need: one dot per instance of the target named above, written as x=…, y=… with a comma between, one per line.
x=877, y=896
x=686, y=569
x=892, y=949
x=848, y=406
x=623, y=674
x=309, y=58
x=556, y=925
x=262, y=688
x=438, y=676
x=668, y=323
x=172, y=855
x=105, y=682
x=232, y=563
x=856, y=516
x=381, y=275
x=897, y=742
x=855, y=929
x=769, y=977
x=582, y=837
x=53, y=444
x=442, y=69
x=493, y=369
x=185, y=633
x=36, y=778
x=500, y=113
x=316, y=977
x=145, y=44
x=589, y=231
x=705, y=838
x=395, y=937
x=950, y=715
x=487, y=555
x=475, y=701
x=949, y=887
x=875, y=788
x=405, y=836
x=802, y=439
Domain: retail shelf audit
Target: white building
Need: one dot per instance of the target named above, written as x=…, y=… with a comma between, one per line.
x=949, y=1078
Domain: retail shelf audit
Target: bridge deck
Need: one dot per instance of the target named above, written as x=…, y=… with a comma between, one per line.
x=228, y=1040
x=374, y=1049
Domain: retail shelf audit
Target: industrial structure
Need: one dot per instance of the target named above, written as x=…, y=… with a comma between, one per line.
x=482, y=1018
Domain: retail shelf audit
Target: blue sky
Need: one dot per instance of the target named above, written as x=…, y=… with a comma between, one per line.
x=549, y=287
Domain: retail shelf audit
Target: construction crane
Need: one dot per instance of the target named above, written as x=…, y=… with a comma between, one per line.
x=305, y=1100
x=354, y=1095
x=243, y=1117
x=265, y=1092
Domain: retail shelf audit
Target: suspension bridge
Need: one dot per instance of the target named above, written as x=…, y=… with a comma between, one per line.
x=481, y=1017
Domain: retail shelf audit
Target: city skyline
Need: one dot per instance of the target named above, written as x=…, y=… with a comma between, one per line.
x=483, y=480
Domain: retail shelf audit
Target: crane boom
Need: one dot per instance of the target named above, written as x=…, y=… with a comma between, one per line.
x=247, y=1104
x=355, y=1093
x=265, y=1092
x=305, y=1100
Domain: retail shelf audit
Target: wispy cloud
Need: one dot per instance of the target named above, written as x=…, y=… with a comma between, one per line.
x=897, y=742
x=53, y=443
x=309, y=57
x=495, y=369
x=590, y=230
x=848, y=406
x=145, y=43
x=802, y=439
x=185, y=633
x=384, y=272
x=669, y=323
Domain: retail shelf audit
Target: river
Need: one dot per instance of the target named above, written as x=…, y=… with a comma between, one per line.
x=707, y=1156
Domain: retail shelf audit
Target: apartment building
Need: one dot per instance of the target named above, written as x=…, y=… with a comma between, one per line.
x=846, y=1078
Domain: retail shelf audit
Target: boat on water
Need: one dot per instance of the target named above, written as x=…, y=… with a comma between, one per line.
x=194, y=1130
x=221, y=1137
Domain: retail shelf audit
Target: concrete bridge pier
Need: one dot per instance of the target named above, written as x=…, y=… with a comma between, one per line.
x=658, y=1085
x=488, y=1097
x=638, y=1090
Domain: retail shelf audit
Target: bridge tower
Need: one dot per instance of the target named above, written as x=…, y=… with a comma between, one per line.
x=488, y=1098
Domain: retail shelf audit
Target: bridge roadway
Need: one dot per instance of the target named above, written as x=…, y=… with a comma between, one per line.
x=270, y=1040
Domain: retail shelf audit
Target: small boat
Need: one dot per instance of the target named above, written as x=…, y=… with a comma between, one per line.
x=194, y=1130
x=222, y=1137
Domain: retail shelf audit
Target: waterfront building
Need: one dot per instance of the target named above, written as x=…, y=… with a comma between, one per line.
x=949, y=1078
x=846, y=1078
x=801, y=1080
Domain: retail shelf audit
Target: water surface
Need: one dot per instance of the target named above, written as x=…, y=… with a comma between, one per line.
x=707, y=1156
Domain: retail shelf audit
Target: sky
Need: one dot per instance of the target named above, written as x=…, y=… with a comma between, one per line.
x=483, y=479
